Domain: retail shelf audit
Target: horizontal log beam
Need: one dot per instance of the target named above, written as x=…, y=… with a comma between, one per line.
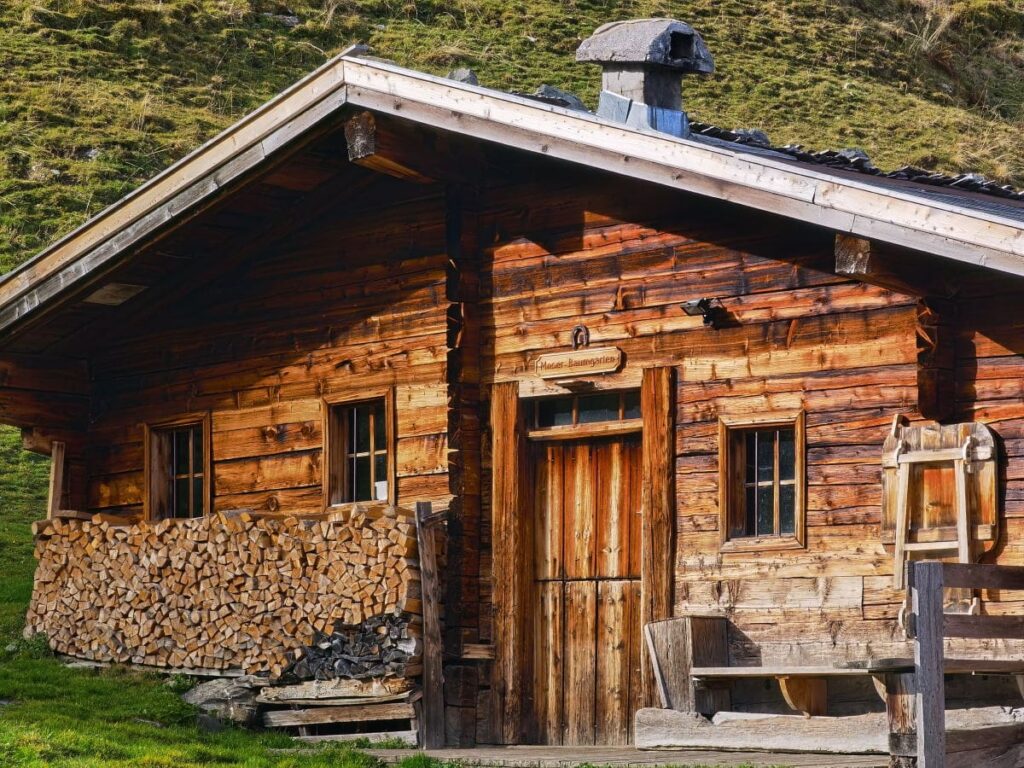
x=404, y=151
x=903, y=272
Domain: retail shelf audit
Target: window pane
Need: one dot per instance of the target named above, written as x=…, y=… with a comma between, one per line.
x=556, y=412
x=787, y=509
x=765, y=510
x=380, y=477
x=380, y=425
x=180, y=451
x=197, y=496
x=750, y=511
x=599, y=408
x=362, y=479
x=631, y=405
x=766, y=455
x=787, y=454
x=197, y=449
x=181, y=508
x=361, y=416
x=751, y=456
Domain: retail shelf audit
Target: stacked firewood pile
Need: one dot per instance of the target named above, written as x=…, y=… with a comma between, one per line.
x=227, y=591
x=382, y=646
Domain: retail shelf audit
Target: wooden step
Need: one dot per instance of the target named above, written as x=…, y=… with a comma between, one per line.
x=344, y=714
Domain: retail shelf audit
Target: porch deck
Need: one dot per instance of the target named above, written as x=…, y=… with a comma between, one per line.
x=564, y=757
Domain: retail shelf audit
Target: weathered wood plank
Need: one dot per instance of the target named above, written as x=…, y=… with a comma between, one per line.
x=658, y=507
x=432, y=724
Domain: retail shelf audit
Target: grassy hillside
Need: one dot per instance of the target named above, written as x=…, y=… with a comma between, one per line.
x=98, y=95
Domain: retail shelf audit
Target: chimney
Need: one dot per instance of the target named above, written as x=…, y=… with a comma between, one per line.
x=642, y=64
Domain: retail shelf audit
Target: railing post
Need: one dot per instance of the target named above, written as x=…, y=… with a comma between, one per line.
x=432, y=705
x=926, y=585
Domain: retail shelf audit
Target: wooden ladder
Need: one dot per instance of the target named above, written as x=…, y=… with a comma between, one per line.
x=960, y=458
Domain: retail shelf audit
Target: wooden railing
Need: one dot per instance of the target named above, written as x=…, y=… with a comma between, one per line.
x=930, y=625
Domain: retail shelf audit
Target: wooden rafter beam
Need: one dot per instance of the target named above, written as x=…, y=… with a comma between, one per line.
x=408, y=152
x=901, y=271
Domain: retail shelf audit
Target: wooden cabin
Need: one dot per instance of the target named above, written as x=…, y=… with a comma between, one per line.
x=647, y=372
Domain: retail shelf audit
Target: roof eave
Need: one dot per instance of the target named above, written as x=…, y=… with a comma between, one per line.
x=841, y=204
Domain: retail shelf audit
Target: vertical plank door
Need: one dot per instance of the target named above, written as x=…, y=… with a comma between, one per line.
x=587, y=589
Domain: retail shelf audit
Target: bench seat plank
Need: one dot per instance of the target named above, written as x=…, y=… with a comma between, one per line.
x=952, y=666
x=725, y=673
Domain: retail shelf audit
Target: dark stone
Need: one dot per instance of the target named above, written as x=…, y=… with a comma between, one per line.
x=209, y=724
x=227, y=698
x=464, y=75
x=558, y=97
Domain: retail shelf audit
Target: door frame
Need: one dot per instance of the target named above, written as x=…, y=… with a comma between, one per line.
x=512, y=543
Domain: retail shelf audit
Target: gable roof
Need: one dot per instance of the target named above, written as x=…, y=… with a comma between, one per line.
x=943, y=222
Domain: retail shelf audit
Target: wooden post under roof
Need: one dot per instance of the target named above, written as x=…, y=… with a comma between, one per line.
x=432, y=706
x=56, y=492
x=657, y=556
x=512, y=546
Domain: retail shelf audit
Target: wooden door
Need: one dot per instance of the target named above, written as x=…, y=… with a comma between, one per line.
x=587, y=586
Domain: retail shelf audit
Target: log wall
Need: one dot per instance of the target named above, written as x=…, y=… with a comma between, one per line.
x=620, y=260
x=352, y=307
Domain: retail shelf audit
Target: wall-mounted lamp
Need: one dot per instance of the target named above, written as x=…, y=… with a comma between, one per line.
x=710, y=309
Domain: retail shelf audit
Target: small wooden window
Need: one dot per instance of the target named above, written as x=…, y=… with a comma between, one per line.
x=762, y=479
x=574, y=410
x=177, y=470
x=359, y=452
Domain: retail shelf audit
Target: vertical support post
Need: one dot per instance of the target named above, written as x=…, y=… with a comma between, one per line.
x=56, y=491
x=657, y=553
x=926, y=584
x=963, y=523
x=432, y=721
x=512, y=547
x=902, y=524
x=900, y=694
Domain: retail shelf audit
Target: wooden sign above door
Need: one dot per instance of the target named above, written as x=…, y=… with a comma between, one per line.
x=579, y=362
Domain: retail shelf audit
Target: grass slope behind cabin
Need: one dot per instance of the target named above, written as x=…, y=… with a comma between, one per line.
x=99, y=95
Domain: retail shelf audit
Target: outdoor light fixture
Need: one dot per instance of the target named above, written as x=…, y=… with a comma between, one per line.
x=710, y=309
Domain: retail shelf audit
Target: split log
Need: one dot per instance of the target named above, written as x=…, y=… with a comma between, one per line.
x=233, y=591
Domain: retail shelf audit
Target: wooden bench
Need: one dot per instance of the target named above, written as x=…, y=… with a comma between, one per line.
x=804, y=688
x=690, y=658
x=915, y=689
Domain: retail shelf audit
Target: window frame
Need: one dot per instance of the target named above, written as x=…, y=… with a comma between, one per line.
x=330, y=444
x=582, y=429
x=728, y=487
x=151, y=431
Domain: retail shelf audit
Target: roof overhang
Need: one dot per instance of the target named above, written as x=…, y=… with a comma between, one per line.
x=788, y=189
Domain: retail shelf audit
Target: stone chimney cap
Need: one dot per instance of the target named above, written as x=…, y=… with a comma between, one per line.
x=661, y=42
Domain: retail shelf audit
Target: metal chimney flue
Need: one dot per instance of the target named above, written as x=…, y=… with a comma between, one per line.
x=643, y=62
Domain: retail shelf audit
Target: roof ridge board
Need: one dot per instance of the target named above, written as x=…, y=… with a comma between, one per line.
x=783, y=164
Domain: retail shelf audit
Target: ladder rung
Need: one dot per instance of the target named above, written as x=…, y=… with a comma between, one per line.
x=932, y=457
x=930, y=546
